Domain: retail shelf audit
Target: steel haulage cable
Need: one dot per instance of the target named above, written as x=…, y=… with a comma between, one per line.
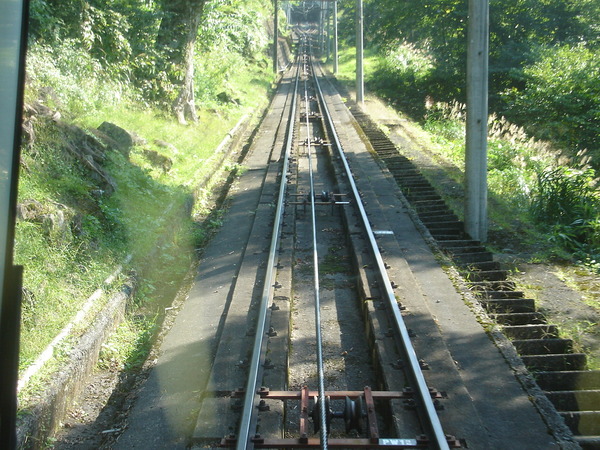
x=321, y=376
x=438, y=437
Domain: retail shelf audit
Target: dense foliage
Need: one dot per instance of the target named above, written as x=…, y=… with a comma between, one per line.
x=543, y=60
x=141, y=43
x=85, y=204
x=544, y=77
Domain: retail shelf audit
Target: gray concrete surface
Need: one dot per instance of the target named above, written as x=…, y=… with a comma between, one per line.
x=488, y=407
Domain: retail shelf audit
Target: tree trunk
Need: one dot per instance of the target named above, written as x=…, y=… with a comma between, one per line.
x=178, y=31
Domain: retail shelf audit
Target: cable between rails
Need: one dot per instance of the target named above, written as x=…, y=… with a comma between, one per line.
x=423, y=390
x=320, y=371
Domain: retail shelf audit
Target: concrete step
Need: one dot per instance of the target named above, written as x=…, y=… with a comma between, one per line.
x=428, y=205
x=448, y=225
x=583, y=422
x=575, y=400
x=465, y=250
x=452, y=234
x=498, y=294
x=481, y=266
x=436, y=218
x=568, y=380
x=543, y=346
x=487, y=275
x=588, y=442
x=560, y=362
x=519, y=318
x=462, y=243
x=509, y=305
x=531, y=331
x=473, y=257
x=503, y=285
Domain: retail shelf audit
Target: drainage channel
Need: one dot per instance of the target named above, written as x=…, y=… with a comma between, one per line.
x=558, y=370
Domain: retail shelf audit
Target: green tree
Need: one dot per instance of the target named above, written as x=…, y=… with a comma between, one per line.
x=560, y=99
x=177, y=39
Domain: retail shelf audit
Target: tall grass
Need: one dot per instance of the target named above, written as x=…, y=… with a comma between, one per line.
x=568, y=200
x=560, y=194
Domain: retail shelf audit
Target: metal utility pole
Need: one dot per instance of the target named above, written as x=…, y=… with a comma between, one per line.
x=275, y=36
x=288, y=13
x=360, y=78
x=335, y=37
x=328, y=16
x=322, y=27
x=476, y=223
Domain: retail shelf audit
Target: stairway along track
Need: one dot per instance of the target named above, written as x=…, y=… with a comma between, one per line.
x=558, y=370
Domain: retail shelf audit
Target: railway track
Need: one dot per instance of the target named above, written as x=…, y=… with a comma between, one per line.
x=315, y=199
x=312, y=347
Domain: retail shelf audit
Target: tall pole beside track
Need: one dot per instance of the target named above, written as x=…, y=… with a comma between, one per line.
x=275, y=36
x=328, y=30
x=476, y=224
x=323, y=28
x=335, y=37
x=360, y=78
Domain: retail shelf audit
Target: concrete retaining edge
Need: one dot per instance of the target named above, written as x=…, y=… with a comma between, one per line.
x=42, y=420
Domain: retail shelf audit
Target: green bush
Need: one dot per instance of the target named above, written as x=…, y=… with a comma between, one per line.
x=70, y=78
x=569, y=201
x=402, y=76
x=561, y=98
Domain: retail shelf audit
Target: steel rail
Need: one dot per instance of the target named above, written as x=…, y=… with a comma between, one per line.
x=250, y=397
x=320, y=371
x=439, y=438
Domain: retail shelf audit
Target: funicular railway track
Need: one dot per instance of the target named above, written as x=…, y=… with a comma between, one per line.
x=318, y=215
x=321, y=332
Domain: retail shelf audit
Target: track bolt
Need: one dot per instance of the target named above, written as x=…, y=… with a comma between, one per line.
x=274, y=307
x=268, y=364
x=423, y=439
x=272, y=332
x=409, y=404
x=262, y=406
x=423, y=364
x=399, y=364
